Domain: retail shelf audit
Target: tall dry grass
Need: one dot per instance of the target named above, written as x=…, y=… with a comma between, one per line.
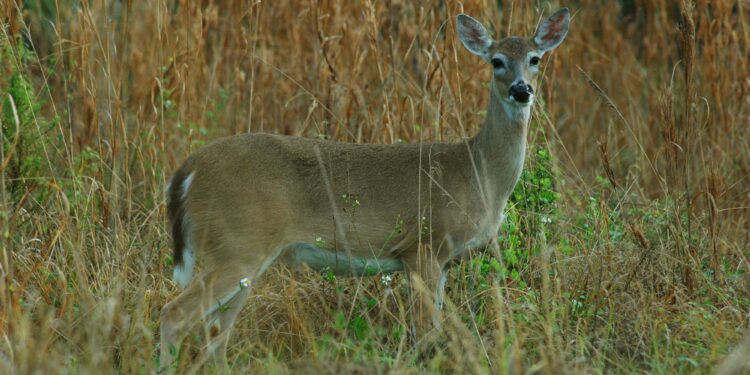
x=641, y=263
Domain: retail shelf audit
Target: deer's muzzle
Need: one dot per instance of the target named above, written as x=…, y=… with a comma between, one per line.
x=521, y=92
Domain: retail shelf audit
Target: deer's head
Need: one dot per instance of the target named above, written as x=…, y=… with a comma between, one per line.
x=514, y=60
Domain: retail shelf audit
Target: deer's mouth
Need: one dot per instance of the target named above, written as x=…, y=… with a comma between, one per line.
x=522, y=101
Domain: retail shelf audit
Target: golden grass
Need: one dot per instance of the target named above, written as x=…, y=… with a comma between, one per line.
x=645, y=109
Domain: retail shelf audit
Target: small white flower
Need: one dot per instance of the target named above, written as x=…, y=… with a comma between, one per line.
x=245, y=282
x=386, y=280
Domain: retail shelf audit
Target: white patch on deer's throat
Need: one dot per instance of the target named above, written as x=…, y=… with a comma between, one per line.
x=517, y=111
x=185, y=187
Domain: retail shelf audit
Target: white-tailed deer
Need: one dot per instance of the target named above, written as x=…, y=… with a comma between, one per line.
x=243, y=203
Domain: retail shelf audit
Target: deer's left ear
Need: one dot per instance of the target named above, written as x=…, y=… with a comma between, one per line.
x=552, y=31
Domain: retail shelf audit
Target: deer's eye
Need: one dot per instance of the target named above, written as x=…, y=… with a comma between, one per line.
x=534, y=60
x=497, y=63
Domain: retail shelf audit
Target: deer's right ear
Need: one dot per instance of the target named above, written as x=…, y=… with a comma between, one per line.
x=473, y=35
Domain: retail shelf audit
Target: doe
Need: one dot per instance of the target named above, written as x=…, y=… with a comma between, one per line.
x=246, y=202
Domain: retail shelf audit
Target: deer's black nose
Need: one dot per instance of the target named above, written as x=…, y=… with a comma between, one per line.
x=521, y=92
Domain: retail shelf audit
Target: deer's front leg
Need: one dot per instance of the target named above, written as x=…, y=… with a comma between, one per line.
x=426, y=277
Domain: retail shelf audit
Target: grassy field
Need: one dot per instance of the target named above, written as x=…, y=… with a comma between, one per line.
x=627, y=241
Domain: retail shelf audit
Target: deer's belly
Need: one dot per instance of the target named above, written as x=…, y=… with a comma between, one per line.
x=338, y=262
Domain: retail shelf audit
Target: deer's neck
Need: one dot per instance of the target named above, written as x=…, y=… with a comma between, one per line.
x=499, y=148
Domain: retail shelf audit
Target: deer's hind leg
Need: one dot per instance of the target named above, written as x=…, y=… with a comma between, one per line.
x=214, y=298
